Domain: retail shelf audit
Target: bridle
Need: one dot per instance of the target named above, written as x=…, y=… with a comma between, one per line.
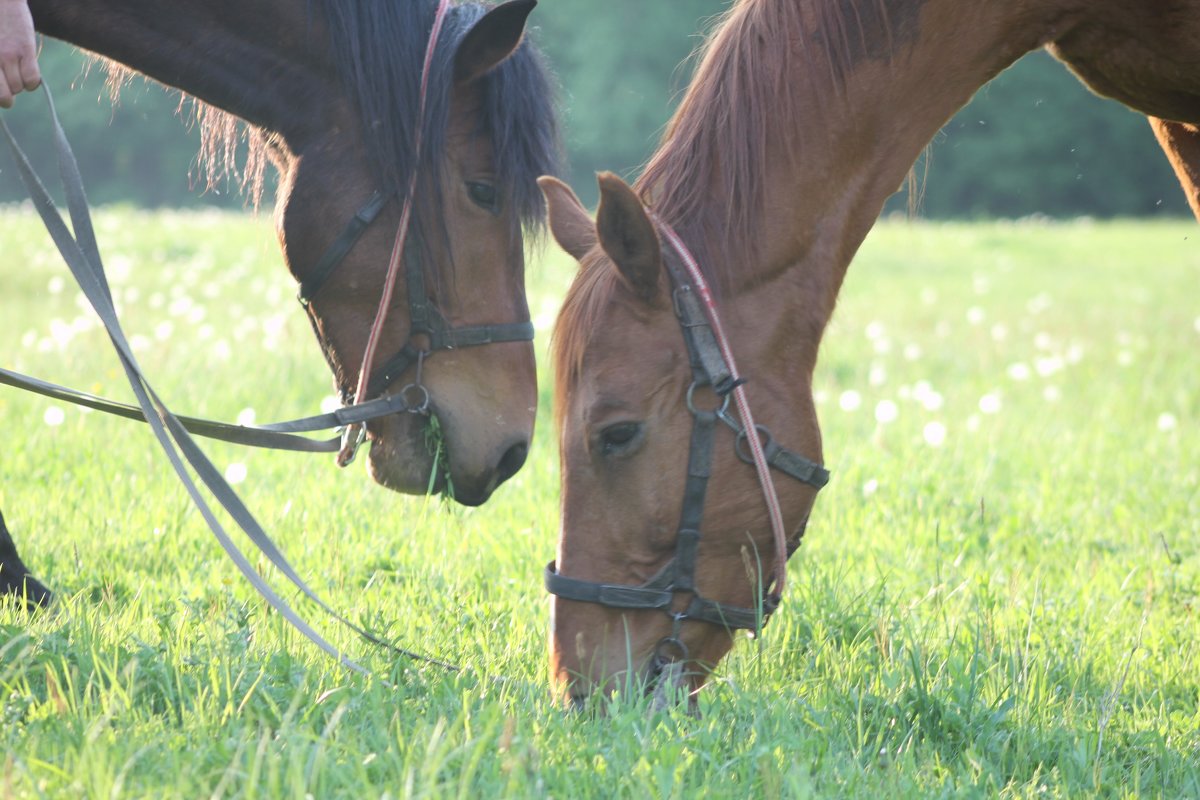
x=425, y=319
x=712, y=367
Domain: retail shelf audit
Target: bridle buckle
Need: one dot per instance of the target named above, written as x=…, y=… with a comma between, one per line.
x=353, y=435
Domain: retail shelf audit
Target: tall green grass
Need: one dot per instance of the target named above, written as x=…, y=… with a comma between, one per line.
x=997, y=596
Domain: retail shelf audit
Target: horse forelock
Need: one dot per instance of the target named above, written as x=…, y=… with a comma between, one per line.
x=379, y=47
x=708, y=176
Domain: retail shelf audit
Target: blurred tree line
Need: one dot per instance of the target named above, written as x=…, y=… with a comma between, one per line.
x=1032, y=141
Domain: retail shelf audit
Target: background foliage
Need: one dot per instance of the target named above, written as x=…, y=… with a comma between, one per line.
x=1033, y=141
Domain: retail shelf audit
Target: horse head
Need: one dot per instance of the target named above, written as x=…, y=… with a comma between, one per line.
x=485, y=131
x=630, y=599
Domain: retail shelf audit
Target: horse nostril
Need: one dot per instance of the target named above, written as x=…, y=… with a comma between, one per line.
x=511, y=461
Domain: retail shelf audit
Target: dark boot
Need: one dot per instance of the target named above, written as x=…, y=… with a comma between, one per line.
x=14, y=576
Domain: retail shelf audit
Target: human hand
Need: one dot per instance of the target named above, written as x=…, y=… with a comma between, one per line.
x=18, y=51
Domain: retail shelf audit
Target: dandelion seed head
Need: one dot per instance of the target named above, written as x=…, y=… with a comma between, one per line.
x=990, y=403
x=850, y=400
x=1167, y=422
x=934, y=434
x=1019, y=371
x=54, y=416
x=235, y=473
x=870, y=487
x=1048, y=365
x=1038, y=303
x=886, y=412
x=180, y=304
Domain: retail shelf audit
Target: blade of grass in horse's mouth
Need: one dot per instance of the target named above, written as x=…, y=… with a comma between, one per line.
x=439, y=471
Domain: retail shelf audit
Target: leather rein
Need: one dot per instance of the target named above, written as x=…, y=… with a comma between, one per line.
x=713, y=368
x=80, y=251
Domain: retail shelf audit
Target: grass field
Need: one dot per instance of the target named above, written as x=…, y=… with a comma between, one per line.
x=998, y=595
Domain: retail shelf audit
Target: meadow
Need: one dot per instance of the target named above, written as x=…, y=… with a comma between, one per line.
x=998, y=594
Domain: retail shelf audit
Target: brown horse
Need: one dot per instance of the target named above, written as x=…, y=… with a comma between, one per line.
x=803, y=117
x=330, y=91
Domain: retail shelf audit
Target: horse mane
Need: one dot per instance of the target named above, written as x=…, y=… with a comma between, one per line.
x=378, y=47
x=707, y=174
x=706, y=179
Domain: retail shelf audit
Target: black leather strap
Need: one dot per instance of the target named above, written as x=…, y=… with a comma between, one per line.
x=273, y=436
x=476, y=335
x=342, y=245
x=611, y=595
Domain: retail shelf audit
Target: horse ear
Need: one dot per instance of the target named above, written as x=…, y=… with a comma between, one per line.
x=628, y=236
x=491, y=40
x=569, y=223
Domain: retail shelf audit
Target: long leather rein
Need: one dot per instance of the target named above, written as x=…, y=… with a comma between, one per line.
x=79, y=249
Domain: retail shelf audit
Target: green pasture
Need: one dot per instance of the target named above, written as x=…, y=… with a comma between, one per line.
x=998, y=596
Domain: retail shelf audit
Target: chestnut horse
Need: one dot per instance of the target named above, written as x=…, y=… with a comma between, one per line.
x=330, y=91
x=803, y=117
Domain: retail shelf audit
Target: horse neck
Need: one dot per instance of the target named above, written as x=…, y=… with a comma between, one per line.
x=264, y=61
x=863, y=120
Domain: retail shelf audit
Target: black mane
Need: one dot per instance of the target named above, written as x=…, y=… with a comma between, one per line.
x=379, y=48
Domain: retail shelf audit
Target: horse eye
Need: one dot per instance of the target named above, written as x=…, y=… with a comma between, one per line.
x=616, y=438
x=482, y=194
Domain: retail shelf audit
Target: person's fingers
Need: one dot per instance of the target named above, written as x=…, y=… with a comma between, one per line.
x=31, y=76
x=10, y=84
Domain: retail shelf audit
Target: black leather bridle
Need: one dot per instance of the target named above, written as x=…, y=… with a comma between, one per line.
x=424, y=317
x=677, y=579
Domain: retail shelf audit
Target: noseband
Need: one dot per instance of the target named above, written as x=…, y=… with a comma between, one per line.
x=713, y=369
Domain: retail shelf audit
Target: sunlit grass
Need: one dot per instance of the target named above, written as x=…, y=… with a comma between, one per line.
x=997, y=595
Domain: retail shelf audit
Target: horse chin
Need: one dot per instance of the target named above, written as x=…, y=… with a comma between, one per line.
x=675, y=685
x=401, y=458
